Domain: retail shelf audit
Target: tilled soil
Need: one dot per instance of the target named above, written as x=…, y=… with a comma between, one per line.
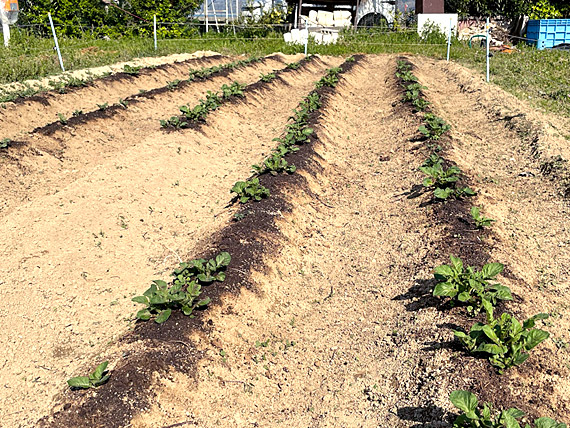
x=81, y=242
x=25, y=114
x=326, y=318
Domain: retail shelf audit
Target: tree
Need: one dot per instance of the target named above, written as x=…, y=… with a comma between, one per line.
x=509, y=8
x=110, y=17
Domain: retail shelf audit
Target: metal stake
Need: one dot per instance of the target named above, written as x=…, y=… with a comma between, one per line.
x=56, y=43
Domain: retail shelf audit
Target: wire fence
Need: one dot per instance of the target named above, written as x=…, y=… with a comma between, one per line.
x=156, y=42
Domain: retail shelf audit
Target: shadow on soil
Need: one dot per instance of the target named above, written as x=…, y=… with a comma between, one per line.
x=420, y=296
x=429, y=416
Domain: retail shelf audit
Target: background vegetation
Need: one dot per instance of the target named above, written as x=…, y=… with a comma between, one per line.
x=535, y=9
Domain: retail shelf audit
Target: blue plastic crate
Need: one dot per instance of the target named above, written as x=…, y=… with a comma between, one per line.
x=547, y=33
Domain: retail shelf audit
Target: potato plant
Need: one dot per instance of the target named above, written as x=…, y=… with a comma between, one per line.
x=203, y=271
x=132, y=70
x=234, y=90
x=173, y=122
x=406, y=76
x=330, y=79
x=484, y=416
x=443, y=181
x=206, y=72
x=99, y=377
x=173, y=84
x=505, y=340
x=434, y=127
x=4, y=143
x=413, y=95
x=250, y=189
x=480, y=221
x=162, y=298
x=274, y=164
x=467, y=286
x=200, y=112
x=267, y=77
x=293, y=66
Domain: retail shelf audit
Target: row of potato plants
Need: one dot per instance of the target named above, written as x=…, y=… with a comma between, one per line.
x=504, y=340
x=162, y=298
x=183, y=292
x=297, y=133
x=213, y=100
x=194, y=74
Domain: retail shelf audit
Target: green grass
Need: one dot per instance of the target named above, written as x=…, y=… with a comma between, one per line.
x=538, y=76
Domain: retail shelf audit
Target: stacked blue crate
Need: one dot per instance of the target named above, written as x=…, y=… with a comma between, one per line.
x=547, y=33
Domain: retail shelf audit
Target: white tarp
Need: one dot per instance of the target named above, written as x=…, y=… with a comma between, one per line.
x=439, y=20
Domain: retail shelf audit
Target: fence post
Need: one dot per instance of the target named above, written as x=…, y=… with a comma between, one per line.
x=307, y=39
x=488, y=56
x=206, y=13
x=56, y=43
x=449, y=39
x=155, y=40
x=6, y=32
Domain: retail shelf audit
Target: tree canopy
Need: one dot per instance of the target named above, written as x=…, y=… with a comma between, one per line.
x=536, y=9
x=108, y=17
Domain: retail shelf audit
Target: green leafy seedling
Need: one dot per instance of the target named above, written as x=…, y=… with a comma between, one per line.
x=203, y=271
x=443, y=181
x=131, y=70
x=174, y=122
x=160, y=300
x=4, y=143
x=406, y=76
x=103, y=106
x=466, y=286
x=250, y=189
x=293, y=66
x=173, y=84
x=505, y=340
x=62, y=119
x=274, y=164
x=434, y=127
x=480, y=221
x=183, y=293
x=95, y=379
x=234, y=90
x=484, y=416
x=267, y=77
x=330, y=79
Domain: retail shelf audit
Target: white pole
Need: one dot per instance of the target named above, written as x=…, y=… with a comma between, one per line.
x=206, y=13
x=449, y=40
x=488, y=42
x=6, y=32
x=56, y=43
x=215, y=16
x=227, y=16
x=155, y=39
x=237, y=9
x=307, y=39
x=233, y=18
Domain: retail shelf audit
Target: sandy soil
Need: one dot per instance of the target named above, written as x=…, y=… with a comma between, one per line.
x=113, y=68
x=79, y=248
x=22, y=117
x=329, y=321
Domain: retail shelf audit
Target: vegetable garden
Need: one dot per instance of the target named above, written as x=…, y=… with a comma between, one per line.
x=368, y=241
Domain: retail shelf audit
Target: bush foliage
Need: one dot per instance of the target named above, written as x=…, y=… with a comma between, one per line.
x=104, y=19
